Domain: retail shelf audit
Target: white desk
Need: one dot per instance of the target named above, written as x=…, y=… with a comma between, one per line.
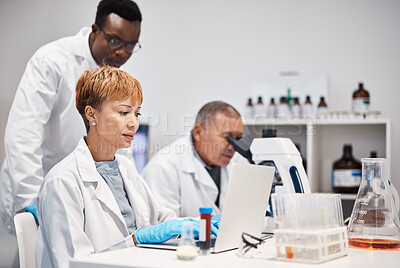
x=155, y=258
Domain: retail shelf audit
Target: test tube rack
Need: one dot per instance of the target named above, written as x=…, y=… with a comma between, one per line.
x=311, y=246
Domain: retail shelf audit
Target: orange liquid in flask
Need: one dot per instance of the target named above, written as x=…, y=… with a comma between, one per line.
x=382, y=244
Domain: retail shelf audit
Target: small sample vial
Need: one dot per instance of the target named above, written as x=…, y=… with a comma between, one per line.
x=249, y=109
x=322, y=108
x=283, y=111
x=205, y=230
x=259, y=110
x=296, y=108
x=308, y=109
x=271, y=112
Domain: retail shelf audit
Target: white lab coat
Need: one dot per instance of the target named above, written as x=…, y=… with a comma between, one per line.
x=79, y=215
x=181, y=182
x=44, y=125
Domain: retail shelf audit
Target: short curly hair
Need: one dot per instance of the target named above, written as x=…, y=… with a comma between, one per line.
x=108, y=83
x=126, y=9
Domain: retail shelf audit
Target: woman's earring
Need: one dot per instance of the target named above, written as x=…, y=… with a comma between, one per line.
x=93, y=123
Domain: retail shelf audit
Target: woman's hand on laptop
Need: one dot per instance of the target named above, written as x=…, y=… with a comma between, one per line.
x=196, y=228
x=215, y=220
x=166, y=230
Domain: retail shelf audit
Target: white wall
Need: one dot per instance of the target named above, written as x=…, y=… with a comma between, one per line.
x=198, y=51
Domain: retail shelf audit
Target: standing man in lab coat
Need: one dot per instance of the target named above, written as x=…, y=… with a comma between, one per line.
x=44, y=125
x=193, y=171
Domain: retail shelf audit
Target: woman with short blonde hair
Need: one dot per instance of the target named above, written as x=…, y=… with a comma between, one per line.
x=94, y=200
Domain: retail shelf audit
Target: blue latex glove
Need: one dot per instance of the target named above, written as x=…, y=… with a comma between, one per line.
x=32, y=209
x=215, y=220
x=164, y=231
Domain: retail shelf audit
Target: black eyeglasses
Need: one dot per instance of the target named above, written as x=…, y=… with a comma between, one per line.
x=116, y=44
x=251, y=242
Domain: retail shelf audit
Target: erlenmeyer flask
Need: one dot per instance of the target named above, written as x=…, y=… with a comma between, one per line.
x=187, y=249
x=374, y=222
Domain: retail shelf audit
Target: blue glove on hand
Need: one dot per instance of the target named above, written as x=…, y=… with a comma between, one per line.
x=164, y=231
x=32, y=209
x=215, y=220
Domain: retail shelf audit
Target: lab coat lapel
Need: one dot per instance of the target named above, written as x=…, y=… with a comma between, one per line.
x=210, y=189
x=82, y=50
x=191, y=164
x=91, y=178
x=142, y=215
x=202, y=176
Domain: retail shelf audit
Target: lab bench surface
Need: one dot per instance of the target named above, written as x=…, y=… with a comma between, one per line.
x=156, y=258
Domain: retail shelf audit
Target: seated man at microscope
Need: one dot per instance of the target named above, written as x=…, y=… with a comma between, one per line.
x=193, y=171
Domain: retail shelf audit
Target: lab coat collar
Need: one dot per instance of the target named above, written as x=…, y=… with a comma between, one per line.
x=90, y=176
x=192, y=164
x=81, y=47
x=86, y=163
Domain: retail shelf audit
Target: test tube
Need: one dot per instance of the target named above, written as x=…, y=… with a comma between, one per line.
x=205, y=230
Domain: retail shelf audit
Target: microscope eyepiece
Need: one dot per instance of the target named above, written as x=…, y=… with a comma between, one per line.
x=242, y=146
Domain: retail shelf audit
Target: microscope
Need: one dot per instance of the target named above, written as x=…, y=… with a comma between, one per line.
x=279, y=152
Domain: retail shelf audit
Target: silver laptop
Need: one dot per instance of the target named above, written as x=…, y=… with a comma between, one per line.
x=244, y=209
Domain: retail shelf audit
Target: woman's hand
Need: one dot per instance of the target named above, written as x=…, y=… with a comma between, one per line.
x=166, y=230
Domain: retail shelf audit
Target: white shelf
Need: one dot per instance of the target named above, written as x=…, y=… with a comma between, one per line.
x=278, y=122
x=353, y=122
x=266, y=121
x=321, y=142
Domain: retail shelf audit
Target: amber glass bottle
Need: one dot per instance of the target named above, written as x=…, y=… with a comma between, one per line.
x=249, y=103
x=249, y=111
x=322, y=108
x=271, y=112
x=308, y=100
x=308, y=110
x=259, y=109
x=322, y=103
x=360, y=99
x=346, y=172
x=282, y=110
x=296, y=108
